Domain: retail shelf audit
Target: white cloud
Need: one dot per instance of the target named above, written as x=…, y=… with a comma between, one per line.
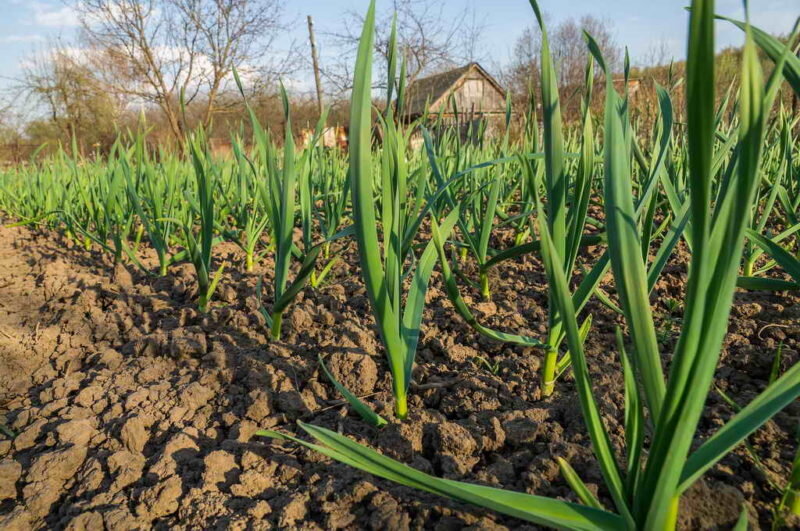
x=53, y=15
x=22, y=38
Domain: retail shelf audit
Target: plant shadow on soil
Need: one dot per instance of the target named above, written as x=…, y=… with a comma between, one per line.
x=131, y=410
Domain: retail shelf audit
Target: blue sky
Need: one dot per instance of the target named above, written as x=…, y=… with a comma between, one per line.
x=642, y=25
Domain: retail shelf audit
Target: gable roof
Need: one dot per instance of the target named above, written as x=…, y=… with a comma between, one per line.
x=433, y=89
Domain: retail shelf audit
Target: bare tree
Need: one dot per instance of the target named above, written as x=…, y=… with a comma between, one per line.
x=156, y=50
x=147, y=53
x=657, y=54
x=522, y=73
x=655, y=63
x=568, y=49
x=471, y=37
x=235, y=33
x=11, y=138
x=61, y=82
x=431, y=38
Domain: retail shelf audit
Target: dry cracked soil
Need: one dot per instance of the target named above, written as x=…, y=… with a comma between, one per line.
x=122, y=407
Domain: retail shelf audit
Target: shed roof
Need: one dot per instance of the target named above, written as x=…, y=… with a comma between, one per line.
x=431, y=90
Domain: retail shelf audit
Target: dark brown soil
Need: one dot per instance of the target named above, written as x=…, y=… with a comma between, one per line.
x=131, y=410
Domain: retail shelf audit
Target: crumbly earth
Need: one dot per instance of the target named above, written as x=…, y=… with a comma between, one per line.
x=130, y=410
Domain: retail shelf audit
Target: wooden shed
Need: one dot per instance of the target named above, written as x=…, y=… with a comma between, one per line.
x=478, y=97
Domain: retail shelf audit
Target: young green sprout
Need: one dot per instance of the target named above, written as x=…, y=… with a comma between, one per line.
x=660, y=462
x=199, y=244
x=278, y=196
x=383, y=270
